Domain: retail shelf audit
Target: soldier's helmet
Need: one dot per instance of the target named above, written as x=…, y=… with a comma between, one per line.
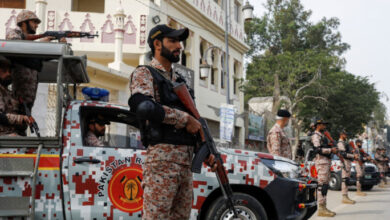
x=26, y=15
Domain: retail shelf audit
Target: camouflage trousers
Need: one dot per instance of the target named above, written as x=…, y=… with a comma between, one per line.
x=323, y=172
x=345, y=173
x=359, y=175
x=167, y=191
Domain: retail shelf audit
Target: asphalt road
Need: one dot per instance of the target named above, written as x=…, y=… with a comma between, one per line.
x=374, y=206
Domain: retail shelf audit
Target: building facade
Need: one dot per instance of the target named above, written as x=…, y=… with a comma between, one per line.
x=123, y=27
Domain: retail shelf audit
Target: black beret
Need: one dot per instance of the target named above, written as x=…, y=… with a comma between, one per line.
x=283, y=113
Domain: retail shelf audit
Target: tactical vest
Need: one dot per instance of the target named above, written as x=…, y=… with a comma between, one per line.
x=324, y=145
x=160, y=133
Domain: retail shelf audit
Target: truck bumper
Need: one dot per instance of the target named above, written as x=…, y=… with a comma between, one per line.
x=293, y=199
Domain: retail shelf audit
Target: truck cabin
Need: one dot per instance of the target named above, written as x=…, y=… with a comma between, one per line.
x=60, y=68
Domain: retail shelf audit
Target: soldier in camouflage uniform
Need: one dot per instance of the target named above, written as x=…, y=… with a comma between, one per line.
x=11, y=122
x=277, y=141
x=362, y=157
x=96, y=129
x=346, y=152
x=322, y=162
x=168, y=130
x=25, y=71
x=382, y=160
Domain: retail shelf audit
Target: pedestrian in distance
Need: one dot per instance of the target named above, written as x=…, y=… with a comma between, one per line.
x=322, y=162
x=346, y=152
x=167, y=129
x=277, y=140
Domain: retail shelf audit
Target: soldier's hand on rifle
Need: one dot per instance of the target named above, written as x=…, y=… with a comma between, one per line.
x=47, y=39
x=334, y=150
x=62, y=40
x=210, y=161
x=356, y=157
x=193, y=126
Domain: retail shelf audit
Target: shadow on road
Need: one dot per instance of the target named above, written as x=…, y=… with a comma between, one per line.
x=361, y=212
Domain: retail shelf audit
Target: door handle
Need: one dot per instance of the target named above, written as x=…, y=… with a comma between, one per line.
x=86, y=160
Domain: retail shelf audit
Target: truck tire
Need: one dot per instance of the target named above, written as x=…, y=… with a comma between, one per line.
x=335, y=181
x=250, y=209
x=367, y=187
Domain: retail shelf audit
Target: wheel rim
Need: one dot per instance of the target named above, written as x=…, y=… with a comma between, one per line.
x=332, y=182
x=244, y=213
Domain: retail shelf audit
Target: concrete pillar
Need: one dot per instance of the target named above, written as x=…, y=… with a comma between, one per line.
x=119, y=33
x=40, y=10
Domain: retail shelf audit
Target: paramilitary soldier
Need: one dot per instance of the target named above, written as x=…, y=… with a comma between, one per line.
x=96, y=128
x=11, y=122
x=277, y=141
x=168, y=131
x=322, y=162
x=346, y=152
x=362, y=157
x=25, y=71
x=382, y=160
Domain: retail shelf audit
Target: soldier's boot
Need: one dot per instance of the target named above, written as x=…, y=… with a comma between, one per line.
x=347, y=200
x=360, y=193
x=324, y=212
x=382, y=184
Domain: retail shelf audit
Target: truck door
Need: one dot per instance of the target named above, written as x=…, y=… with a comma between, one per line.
x=105, y=181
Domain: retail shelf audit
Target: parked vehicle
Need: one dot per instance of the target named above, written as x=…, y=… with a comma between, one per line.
x=71, y=180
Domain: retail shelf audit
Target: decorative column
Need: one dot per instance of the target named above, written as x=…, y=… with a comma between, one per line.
x=40, y=11
x=119, y=33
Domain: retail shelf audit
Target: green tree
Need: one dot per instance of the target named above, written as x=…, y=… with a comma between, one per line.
x=289, y=54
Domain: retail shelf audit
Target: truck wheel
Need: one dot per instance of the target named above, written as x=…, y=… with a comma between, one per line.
x=247, y=207
x=335, y=181
x=367, y=187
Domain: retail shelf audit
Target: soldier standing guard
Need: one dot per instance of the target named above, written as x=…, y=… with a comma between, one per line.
x=167, y=130
x=381, y=162
x=277, y=141
x=347, y=153
x=322, y=162
x=25, y=71
x=11, y=122
x=362, y=157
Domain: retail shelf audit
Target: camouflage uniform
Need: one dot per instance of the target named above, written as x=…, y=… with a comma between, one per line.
x=322, y=164
x=92, y=140
x=24, y=79
x=346, y=171
x=277, y=142
x=167, y=179
x=10, y=107
x=359, y=169
x=381, y=163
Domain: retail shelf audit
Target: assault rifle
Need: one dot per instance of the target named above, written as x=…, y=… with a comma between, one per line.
x=361, y=153
x=34, y=126
x=207, y=147
x=333, y=143
x=60, y=34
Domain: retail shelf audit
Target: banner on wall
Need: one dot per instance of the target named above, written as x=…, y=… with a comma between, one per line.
x=255, y=127
x=226, y=125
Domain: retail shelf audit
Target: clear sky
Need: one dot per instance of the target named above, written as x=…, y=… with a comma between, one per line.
x=365, y=26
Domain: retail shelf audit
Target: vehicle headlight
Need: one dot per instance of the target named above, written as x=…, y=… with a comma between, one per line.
x=282, y=168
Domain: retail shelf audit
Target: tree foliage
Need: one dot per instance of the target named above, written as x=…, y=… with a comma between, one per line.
x=294, y=57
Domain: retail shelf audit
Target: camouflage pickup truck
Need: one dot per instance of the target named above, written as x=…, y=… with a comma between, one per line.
x=61, y=177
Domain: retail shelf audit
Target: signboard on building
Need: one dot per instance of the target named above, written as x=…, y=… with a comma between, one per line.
x=187, y=73
x=226, y=125
x=255, y=127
